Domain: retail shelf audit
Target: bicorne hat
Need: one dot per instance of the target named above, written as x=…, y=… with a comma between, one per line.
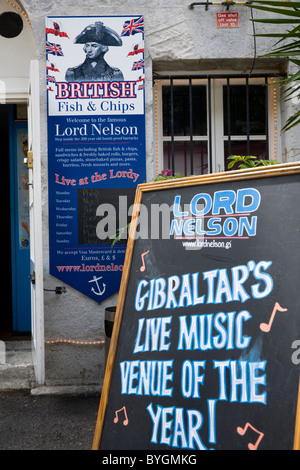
x=97, y=32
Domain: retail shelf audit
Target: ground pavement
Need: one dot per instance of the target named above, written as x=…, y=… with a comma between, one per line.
x=47, y=422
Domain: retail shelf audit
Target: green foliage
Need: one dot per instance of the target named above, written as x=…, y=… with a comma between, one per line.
x=118, y=235
x=249, y=161
x=167, y=175
x=287, y=45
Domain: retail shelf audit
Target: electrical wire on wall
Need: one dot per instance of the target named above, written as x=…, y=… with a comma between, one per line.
x=254, y=42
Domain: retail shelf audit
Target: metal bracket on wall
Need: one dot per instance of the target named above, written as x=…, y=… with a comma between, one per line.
x=29, y=159
x=58, y=290
x=228, y=4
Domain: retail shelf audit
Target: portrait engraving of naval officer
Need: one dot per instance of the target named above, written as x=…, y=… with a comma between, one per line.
x=96, y=39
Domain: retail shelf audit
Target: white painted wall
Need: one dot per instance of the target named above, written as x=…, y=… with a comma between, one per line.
x=14, y=69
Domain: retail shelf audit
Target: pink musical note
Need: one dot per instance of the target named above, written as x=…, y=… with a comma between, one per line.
x=116, y=419
x=266, y=327
x=143, y=267
x=242, y=431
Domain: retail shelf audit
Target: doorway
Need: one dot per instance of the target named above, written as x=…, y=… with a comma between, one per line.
x=15, y=319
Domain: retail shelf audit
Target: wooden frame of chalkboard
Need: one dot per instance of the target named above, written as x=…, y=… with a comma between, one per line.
x=267, y=196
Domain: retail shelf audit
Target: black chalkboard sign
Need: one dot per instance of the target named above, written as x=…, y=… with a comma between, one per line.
x=209, y=310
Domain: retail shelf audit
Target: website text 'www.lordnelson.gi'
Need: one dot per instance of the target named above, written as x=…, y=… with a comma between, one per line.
x=92, y=267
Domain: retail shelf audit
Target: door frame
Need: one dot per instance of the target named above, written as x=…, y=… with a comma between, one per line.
x=28, y=92
x=36, y=228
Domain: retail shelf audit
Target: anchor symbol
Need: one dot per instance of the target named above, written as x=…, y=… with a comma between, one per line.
x=99, y=292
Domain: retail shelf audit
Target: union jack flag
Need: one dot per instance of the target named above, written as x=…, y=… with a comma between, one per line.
x=52, y=48
x=133, y=26
x=140, y=64
x=50, y=78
